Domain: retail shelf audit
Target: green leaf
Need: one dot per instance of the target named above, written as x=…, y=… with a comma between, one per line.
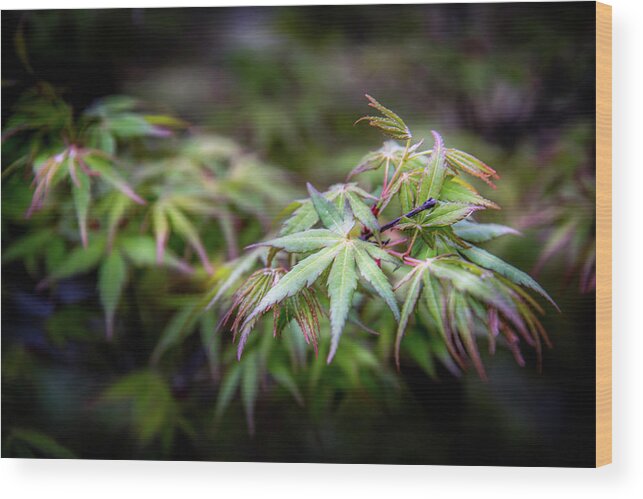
x=39, y=444
x=445, y=214
x=492, y=262
x=301, y=275
x=183, y=226
x=303, y=218
x=363, y=212
x=283, y=377
x=82, y=197
x=228, y=388
x=250, y=389
x=413, y=289
x=457, y=190
x=28, y=246
x=480, y=233
x=302, y=242
x=392, y=125
x=111, y=281
x=161, y=230
x=376, y=278
x=329, y=214
x=434, y=173
x=111, y=176
x=179, y=326
x=342, y=282
x=141, y=251
x=465, y=162
x=81, y=260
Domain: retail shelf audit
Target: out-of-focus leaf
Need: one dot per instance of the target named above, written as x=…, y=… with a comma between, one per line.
x=250, y=389
x=282, y=375
x=111, y=176
x=36, y=444
x=141, y=250
x=81, y=260
x=182, y=225
x=111, y=281
x=29, y=245
x=228, y=388
x=177, y=328
x=82, y=197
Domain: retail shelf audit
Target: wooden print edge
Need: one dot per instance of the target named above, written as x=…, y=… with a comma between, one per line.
x=603, y=234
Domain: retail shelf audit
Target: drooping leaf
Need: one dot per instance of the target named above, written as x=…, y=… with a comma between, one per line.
x=414, y=286
x=492, y=262
x=342, y=282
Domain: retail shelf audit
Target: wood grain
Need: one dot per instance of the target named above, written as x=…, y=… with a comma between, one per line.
x=603, y=234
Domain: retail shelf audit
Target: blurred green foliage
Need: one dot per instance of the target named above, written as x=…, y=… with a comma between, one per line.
x=166, y=206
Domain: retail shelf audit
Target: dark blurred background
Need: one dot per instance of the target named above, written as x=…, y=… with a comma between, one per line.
x=512, y=83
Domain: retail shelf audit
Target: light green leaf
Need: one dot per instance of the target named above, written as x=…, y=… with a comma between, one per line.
x=111, y=176
x=412, y=294
x=82, y=197
x=445, y=214
x=179, y=326
x=363, y=213
x=81, y=260
x=302, y=242
x=342, y=282
x=376, y=278
x=301, y=275
x=329, y=214
x=492, y=262
x=184, y=227
x=434, y=173
x=303, y=218
x=161, y=230
x=111, y=281
x=480, y=233
x=228, y=388
x=457, y=190
x=250, y=389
